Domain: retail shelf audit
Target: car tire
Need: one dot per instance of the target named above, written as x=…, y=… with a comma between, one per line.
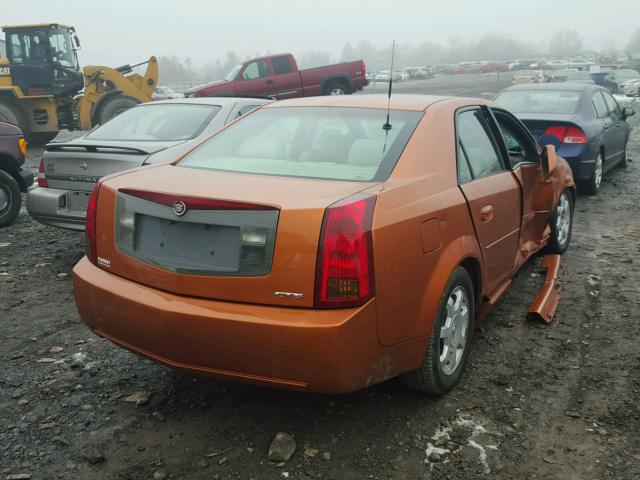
x=10, y=199
x=114, y=106
x=442, y=365
x=561, y=224
x=337, y=88
x=10, y=114
x=592, y=185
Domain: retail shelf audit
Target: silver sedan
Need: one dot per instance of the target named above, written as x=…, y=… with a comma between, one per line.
x=150, y=133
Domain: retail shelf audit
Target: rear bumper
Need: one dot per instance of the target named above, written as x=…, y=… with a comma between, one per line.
x=581, y=159
x=328, y=351
x=49, y=206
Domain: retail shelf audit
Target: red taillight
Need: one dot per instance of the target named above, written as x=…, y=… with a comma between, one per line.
x=91, y=225
x=363, y=69
x=344, y=272
x=567, y=134
x=42, y=178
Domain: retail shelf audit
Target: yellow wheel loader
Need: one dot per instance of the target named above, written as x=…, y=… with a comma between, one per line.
x=43, y=90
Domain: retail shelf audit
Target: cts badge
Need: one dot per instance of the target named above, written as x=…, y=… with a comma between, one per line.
x=179, y=208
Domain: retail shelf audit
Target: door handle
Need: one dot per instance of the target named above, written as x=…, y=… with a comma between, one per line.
x=269, y=82
x=486, y=213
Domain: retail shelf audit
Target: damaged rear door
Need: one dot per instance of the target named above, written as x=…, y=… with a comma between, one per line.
x=492, y=193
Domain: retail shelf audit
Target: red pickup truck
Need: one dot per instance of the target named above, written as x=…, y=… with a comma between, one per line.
x=278, y=76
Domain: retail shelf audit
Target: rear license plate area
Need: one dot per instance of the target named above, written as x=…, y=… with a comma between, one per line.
x=187, y=247
x=78, y=201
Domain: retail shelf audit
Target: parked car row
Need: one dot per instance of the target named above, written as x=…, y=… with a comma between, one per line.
x=625, y=81
x=305, y=243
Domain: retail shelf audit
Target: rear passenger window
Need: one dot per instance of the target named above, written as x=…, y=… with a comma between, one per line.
x=599, y=106
x=244, y=110
x=281, y=65
x=612, y=105
x=464, y=174
x=474, y=140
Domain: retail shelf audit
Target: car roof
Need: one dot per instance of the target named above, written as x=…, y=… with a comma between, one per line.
x=222, y=101
x=416, y=103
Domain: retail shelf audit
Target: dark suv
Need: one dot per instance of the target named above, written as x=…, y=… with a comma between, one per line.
x=13, y=178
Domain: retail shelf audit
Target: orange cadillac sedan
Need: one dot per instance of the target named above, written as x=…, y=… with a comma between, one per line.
x=324, y=244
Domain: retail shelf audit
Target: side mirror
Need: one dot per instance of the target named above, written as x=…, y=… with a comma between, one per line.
x=76, y=40
x=627, y=112
x=548, y=159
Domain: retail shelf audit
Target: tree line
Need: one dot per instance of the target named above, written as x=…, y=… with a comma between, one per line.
x=492, y=46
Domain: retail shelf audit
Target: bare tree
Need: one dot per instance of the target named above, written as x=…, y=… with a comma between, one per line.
x=348, y=53
x=634, y=42
x=565, y=42
x=314, y=58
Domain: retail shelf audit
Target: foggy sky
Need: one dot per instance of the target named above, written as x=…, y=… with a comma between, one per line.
x=131, y=30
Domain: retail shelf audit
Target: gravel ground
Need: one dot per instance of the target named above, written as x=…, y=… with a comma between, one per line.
x=556, y=401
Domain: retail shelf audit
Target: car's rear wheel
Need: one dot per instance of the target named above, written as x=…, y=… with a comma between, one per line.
x=561, y=224
x=448, y=347
x=592, y=185
x=10, y=199
x=337, y=89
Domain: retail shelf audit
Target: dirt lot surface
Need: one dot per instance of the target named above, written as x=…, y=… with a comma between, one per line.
x=558, y=401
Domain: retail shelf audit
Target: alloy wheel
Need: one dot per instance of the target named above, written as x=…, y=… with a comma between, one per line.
x=454, y=331
x=597, y=174
x=563, y=219
x=5, y=199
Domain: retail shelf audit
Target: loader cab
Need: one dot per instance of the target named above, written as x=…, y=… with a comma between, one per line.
x=43, y=59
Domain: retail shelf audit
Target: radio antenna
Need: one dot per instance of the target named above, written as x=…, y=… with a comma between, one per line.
x=387, y=126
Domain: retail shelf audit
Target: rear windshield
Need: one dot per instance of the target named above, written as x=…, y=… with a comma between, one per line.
x=539, y=101
x=317, y=142
x=160, y=122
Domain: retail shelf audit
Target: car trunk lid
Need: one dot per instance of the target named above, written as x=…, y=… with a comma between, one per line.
x=78, y=166
x=538, y=123
x=219, y=235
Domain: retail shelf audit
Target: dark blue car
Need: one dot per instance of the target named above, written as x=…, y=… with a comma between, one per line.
x=584, y=122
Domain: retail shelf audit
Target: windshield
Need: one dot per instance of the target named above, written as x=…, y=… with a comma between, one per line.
x=159, y=122
x=318, y=142
x=62, y=51
x=233, y=73
x=539, y=101
x=40, y=46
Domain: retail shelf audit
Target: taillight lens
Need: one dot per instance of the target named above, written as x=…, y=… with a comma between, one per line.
x=344, y=272
x=363, y=69
x=565, y=134
x=91, y=225
x=42, y=178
